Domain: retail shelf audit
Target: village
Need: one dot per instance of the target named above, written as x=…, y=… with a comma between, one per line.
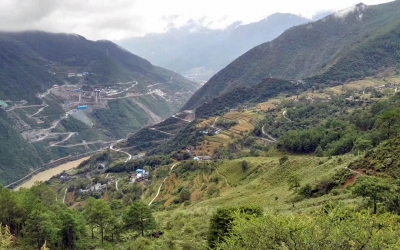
x=94, y=183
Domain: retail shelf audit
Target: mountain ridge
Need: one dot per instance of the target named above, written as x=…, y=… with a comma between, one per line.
x=302, y=51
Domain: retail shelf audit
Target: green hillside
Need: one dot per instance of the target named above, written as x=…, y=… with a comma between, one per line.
x=249, y=96
x=33, y=61
x=261, y=163
x=136, y=94
x=314, y=48
x=16, y=154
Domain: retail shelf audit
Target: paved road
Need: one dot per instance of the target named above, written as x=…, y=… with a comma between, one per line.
x=161, y=131
x=133, y=85
x=174, y=116
x=79, y=144
x=40, y=110
x=116, y=184
x=284, y=114
x=159, y=188
x=268, y=135
x=70, y=134
x=119, y=150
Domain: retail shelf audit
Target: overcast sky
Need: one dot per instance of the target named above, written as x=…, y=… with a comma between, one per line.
x=121, y=19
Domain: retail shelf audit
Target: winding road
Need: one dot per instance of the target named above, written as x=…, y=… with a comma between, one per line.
x=174, y=116
x=284, y=114
x=119, y=150
x=268, y=135
x=70, y=134
x=159, y=188
x=40, y=110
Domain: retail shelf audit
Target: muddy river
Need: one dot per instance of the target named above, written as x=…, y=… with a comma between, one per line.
x=47, y=174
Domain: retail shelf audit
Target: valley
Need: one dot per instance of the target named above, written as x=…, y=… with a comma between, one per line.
x=79, y=100
x=293, y=145
x=78, y=104
x=237, y=157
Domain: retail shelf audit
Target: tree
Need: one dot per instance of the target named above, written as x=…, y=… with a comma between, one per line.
x=102, y=216
x=72, y=229
x=41, y=227
x=6, y=238
x=89, y=214
x=387, y=121
x=319, y=152
x=332, y=228
x=221, y=222
x=98, y=213
x=372, y=188
x=294, y=181
x=245, y=166
x=362, y=144
x=138, y=217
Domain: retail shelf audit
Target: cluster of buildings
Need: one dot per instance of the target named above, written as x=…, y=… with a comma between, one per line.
x=98, y=187
x=211, y=131
x=78, y=74
x=159, y=92
x=202, y=158
x=139, y=175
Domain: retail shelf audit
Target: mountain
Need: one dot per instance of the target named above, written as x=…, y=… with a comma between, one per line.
x=314, y=49
x=199, y=52
x=30, y=59
x=45, y=77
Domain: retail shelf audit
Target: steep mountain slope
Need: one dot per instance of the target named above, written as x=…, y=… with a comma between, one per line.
x=15, y=153
x=32, y=60
x=305, y=50
x=45, y=77
x=194, y=49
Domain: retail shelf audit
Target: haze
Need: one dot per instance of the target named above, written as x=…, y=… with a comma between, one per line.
x=122, y=19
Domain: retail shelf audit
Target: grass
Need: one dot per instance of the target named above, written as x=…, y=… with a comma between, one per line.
x=263, y=184
x=269, y=105
x=240, y=116
x=208, y=146
x=206, y=123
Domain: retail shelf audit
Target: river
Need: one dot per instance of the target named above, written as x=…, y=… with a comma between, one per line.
x=47, y=174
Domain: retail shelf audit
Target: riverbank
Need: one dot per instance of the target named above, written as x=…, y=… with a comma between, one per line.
x=47, y=174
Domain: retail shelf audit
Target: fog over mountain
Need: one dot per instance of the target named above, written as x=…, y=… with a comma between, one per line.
x=200, y=52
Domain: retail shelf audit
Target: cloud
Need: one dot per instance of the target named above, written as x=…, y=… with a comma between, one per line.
x=121, y=19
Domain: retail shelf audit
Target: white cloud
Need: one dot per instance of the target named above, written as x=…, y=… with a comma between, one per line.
x=121, y=19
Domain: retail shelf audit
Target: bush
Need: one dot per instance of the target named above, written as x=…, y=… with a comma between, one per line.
x=184, y=195
x=245, y=166
x=283, y=159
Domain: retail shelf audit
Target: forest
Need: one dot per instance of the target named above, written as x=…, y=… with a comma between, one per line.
x=33, y=219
